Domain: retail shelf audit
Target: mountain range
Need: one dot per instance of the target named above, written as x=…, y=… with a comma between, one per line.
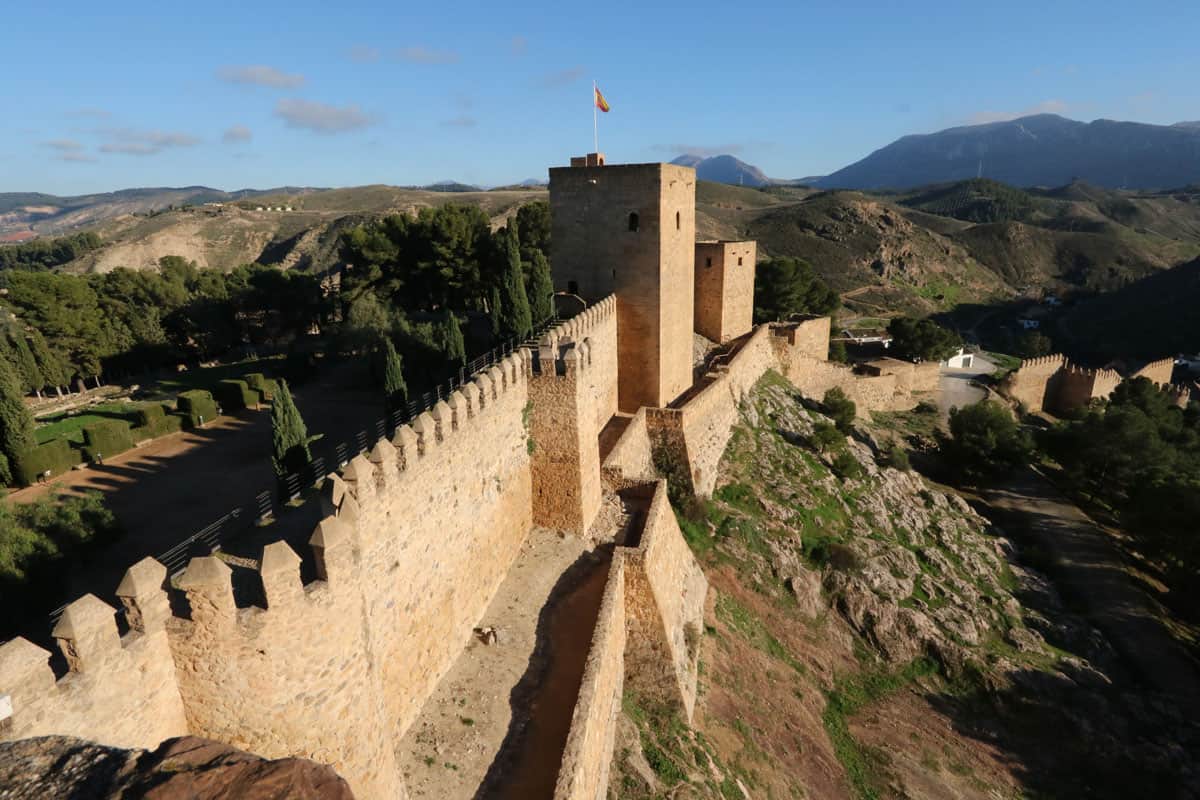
x=724, y=169
x=1039, y=150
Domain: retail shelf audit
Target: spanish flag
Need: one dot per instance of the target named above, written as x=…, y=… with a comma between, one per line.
x=601, y=103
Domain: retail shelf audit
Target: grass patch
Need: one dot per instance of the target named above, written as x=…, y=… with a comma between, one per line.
x=69, y=425
x=751, y=628
x=850, y=695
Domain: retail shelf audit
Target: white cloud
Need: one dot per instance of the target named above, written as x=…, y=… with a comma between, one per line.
x=64, y=145
x=260, y=75
x=76, y=157
x=364, y=54
x=562, y=77
x=1044, y=107
x=461, y=121
x=704, y=151
x=236, y=133
x=425, y=55
x=321, y=118
x=132, y=142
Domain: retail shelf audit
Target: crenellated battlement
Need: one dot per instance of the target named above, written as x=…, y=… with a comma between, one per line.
x=1053, y=361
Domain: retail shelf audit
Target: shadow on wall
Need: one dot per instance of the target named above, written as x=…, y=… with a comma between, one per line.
x=544, y=700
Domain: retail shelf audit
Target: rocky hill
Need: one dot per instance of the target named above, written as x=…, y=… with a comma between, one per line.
x=289, y=229
x=873, y=636
x=1039, y=150
x=187, y=768
x=968, y=242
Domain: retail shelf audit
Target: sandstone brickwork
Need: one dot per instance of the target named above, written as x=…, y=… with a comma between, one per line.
x=631, y=460
x=630, y=230
x=583, y=773
x=724, y=293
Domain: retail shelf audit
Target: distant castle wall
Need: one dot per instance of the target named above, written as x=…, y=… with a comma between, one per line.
x=1051, y=383
x=1029, y=383
x=1159, y=372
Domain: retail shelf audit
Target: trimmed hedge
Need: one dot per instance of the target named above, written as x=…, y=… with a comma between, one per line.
x=55, y=456
x=154, y=421
x=266, y=387
x=197, y=406
x=106, y=439
x=234, y=395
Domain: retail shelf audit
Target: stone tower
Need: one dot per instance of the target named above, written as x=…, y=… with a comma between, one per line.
x=725, y=289
x=630, y=230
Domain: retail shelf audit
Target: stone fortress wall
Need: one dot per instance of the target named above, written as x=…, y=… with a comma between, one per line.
x=418, y=533
x=1052, y=383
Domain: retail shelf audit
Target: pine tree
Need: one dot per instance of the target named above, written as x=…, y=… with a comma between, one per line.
x=289, y=436
x=514, y=304
x=395, y=389
x=454, y=347
x=541, y=289
x=16, y=423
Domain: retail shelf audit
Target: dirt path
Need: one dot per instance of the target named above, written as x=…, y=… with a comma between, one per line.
x=498, y=720
x=1088, y=566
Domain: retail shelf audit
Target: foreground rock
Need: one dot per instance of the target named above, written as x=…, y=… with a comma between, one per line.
x=186, y=768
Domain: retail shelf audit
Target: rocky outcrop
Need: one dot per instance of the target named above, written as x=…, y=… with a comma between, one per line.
x=913, y=570
x=185, y=768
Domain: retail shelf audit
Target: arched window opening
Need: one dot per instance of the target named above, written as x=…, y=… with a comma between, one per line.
x=676, y=220
x=739, y=261
x=708, y=261
x=633, y=221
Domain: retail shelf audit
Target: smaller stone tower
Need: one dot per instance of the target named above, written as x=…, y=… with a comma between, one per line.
x=724, y=289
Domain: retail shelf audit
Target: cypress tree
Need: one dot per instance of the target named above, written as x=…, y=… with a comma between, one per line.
x=27, y=366
x=289, y=436
x=453, y=345
x=541, y=289
x=16, y=423
x=395, y=389
x=514, y=304
x=494, y=314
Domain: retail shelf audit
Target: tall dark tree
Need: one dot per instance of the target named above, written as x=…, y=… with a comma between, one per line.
x=16, y=423
x=495, y=315
x=541, y=289
x=289, y=435
x=452, y=342
x=395, y=388
x=515, y=319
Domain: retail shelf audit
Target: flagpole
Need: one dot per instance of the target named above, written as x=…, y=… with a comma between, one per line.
x=595, y=121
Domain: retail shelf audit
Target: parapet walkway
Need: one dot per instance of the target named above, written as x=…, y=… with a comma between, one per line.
x=497, y=724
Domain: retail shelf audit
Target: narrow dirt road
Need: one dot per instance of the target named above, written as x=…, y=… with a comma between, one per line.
x=1088, y=566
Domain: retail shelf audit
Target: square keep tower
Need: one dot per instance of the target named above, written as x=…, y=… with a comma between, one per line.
x=630, y=230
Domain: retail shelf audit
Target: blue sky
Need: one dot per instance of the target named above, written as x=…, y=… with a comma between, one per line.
x=101, y=96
